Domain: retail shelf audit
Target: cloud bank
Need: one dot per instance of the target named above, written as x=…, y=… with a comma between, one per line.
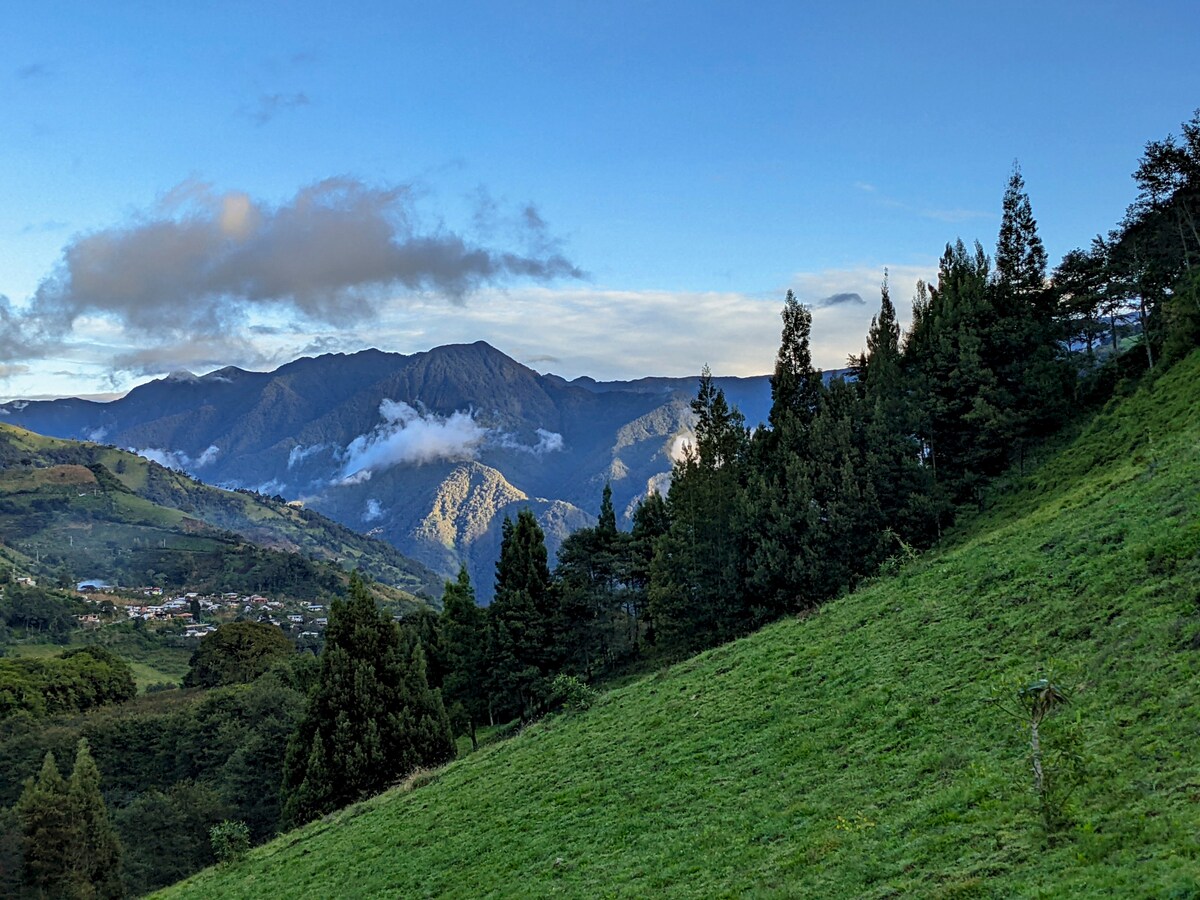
x=200, y=266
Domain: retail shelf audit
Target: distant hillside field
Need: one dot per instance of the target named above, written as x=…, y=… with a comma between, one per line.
x=99, y=512
x=856, y=752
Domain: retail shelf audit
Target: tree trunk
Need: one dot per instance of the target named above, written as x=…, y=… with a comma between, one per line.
x=1035, y=752
x=1144, y=318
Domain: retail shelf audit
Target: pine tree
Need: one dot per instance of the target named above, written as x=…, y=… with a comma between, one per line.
x=902, y=483
x=47, y=830
x=599, y=620
x=523, y=647
x=778, y=512
x=695, y=594
x=94, y=857
x=965, y=410
x=70, y=846
x=371, y=718
x=1023, y=342
x=1020, y=256
x=464, y=637
x=651, y=521
x=795, y=384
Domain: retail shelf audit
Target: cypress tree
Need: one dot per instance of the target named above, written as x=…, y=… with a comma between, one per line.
x=599, y=618
x=371, y=718
x=901, y=480
x=1020, y=256
x=779, y=513
x=70, y=846
x=965, y=415
x=523, y=646
x=695, y=596
x=1023, y=344
x=651, y=521
x=464, y=638
x=94, y=857
x=47, y=830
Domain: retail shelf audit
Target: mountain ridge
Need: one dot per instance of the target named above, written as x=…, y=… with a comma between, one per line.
x=299, y=431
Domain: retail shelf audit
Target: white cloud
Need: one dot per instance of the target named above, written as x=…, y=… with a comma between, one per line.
x=547, y=442
x=607, y=334
x=373, y=511
x=407, y=436
x=678, y=448
x=299, y=454
x=178, y=459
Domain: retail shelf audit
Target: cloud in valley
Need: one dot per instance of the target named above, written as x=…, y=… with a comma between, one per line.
x=373, y=511
x=299, y=454
x=547, y=442
x=178, y=459
x=407, y=436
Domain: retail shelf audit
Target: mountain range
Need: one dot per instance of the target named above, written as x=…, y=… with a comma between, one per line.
x=428, y=451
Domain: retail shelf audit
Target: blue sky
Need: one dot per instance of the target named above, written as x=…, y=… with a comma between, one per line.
x=612, y=189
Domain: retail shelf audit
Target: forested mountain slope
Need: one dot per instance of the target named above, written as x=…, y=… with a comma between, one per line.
x=858, y=751
x=79, y=510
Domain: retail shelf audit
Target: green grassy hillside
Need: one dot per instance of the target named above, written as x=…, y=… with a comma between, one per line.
x=855, y=753
x=88, y=508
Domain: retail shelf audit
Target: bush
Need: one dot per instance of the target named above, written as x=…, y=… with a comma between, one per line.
x=230, y=841
x=568, y=692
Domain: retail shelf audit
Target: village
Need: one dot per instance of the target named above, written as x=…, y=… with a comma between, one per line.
x=200, y=613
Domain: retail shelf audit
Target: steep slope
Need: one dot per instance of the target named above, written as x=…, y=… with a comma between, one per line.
x=105, y=513
x=855, y=753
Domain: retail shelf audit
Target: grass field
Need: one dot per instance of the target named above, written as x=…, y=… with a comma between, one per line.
x=856, y=752
x=149, y=664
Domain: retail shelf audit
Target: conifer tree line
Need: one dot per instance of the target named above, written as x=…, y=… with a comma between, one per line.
x=848, y=472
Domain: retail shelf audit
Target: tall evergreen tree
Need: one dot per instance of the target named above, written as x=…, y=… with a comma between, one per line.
x=70, y=846
x=523, y=626
x=1024, y=340
x=464, y=637
x=371, y=719
x=94, y=857
x=795, y=384
x=599, y=620
x=695, y=592
x=778, y=512
x=651, y=521
x=1020, y=255
x=901, y=479
x=47, y=829
x=845, y=522
x=965, y=415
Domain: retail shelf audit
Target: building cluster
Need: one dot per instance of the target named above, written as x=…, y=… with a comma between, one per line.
x=302, y=618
